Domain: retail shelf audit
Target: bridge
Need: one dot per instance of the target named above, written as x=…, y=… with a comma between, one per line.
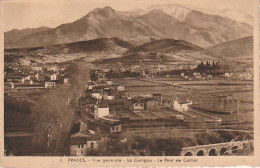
x=218, y=149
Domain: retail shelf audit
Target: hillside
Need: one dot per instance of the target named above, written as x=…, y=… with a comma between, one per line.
x=167, y=46
x=182, y=23
x=14, y=35
x=164, y=51
x=92, y=49
x=238, y=51
x=91, y=46
x=242, y=47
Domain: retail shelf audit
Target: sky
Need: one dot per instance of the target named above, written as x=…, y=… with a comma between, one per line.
x=51, y=13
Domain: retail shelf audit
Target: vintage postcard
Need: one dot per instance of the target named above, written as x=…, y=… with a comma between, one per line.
x=133, y=83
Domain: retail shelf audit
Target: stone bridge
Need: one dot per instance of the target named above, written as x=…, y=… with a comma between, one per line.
x=215, y=149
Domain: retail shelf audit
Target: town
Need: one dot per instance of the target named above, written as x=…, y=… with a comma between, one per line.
x=123, y=108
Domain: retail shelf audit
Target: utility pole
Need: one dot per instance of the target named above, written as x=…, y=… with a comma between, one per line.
x=238, y=112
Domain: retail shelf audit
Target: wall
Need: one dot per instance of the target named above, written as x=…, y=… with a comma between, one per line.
x=75, y=150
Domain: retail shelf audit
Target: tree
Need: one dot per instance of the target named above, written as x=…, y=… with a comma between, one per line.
x=54, y=112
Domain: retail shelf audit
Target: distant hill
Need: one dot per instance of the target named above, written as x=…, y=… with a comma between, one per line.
x=164, y=51
x=90, y=50
x=15, y=34
x=242, y=47
x=97, y=45
x=167, y=46
x=177, y=22
x=239, y=51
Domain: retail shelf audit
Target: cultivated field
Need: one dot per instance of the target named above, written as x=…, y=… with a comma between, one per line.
x=196, y=91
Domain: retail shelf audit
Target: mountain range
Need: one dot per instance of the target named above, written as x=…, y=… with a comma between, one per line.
x=137, y=27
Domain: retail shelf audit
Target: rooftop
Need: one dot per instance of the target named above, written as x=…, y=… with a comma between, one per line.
x=80, y=127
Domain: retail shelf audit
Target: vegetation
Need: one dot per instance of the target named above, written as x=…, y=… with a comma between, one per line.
x=55, y=111
x=141, y=146
x=16, y=109
x=123, y=74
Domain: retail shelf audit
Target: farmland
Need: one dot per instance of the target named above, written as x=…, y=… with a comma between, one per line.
x=197, y=91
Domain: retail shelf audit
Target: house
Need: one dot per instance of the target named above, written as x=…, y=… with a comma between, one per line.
x=152, y=104
x=89, y=104
x=37, y=68
x=116, y=128
x=66, y=80
x=198, y=76
x=167, y=102
x=120, y=88
x=36, y=76
x=196, y=73
x=90, y=101
x=228, y=74
x=97, y=95
x=78, y=146
x=101, y=110
x=28, y=77
x=180, y=117
x=109, y=82
x=209, y=77
x=80, y=129
x=53, y=77
x=90, y=85
x=9, y=86
x=28, y=82
x=99, y=88
x=49, y=84
x=138, y=104
x=53, y=69
x=108, y=97
x=82, y=140
x=108, y=94
x=158, y=97
x=101, y=79
x=181, y=105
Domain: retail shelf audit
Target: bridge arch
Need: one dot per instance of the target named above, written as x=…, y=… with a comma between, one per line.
x=234, y=149
x=188, y=154
x=212, y=152
x=201, y=152
x=225, y=148
x=223, y=151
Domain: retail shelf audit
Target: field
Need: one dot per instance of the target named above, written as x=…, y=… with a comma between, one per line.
x=196, y=91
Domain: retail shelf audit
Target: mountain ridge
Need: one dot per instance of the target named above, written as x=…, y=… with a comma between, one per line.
x=196, y=27
x=163, y=51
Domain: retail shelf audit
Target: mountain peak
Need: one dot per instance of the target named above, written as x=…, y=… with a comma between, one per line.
x=157, y=11
x=106, y=11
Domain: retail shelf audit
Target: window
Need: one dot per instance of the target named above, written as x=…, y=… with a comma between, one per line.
x=92, y=145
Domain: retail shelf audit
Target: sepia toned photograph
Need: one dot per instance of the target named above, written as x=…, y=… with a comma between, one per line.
x=109, y=78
